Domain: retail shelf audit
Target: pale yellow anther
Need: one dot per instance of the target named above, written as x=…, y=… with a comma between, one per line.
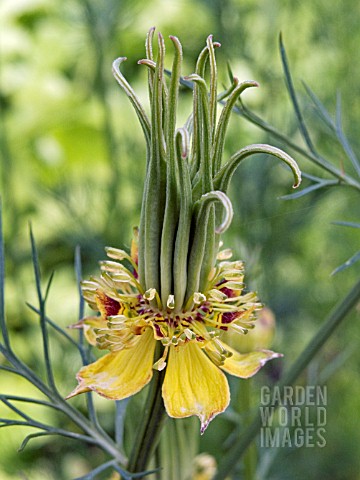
x=224, y=254
x=117, y=325
x=238, y=328
x=150, y=294
x=116, y=253
x=190, y=335
x=121, y=277
x=199, y=298
x=216, y=357
x=170, y=302
x=110, y=266
x=160, y=364
x=228, y=354
x=214, y=334
x=217, y=295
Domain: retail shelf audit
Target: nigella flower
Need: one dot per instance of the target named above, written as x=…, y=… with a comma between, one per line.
x=166, y=304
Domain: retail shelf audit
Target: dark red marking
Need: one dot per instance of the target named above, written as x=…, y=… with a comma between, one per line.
x=111, y=306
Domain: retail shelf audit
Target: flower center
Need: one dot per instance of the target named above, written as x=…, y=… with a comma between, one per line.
x=127, y=311
x=169, y=327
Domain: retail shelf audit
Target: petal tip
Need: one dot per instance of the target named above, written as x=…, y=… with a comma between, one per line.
x=79, y=389
x=204, y=426
x=205, y=421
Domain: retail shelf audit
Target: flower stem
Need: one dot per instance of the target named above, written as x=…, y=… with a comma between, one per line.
x=324, y=333
x=150, y=427
x=243, y=405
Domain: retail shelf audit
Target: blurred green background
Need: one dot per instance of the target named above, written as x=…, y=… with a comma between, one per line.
x=73, y=159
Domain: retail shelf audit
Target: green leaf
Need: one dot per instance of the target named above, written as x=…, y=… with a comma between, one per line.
x=347, y=224
x=42, y=316
x=343, y=140
x=320, y=108
x=30, y=437
x=335, y=127
x=289, y=83
x=309, y=189
x=101, y=468
x=355, y=258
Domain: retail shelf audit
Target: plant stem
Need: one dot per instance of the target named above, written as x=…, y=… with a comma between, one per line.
x=243, y=406
x=150, y=427
x=325, y=331
x=101, y=439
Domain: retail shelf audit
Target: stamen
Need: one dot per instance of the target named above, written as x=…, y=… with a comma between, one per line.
x=170, y=302
x=199, y=298
x=116, y=253
x=220, y=347
x=89, y=285
x=217, y=295
x=224, y=254
x=161, y=363
x=190, y=335
x=238, y=328
x=215, y=357
x=117, y=319
x=110, y=266
x=214, y=334
x=150, y=294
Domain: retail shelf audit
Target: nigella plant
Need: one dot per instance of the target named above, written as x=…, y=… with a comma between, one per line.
x=165, y=305
x=173, y=310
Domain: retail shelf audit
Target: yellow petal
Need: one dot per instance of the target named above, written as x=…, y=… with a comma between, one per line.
x=120, y=374
x=193, y=385
x=245, y=365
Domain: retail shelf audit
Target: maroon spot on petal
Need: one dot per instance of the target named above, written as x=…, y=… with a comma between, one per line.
x=229, y=317
x=158, y=330
x=111, y=306
x=228, y=292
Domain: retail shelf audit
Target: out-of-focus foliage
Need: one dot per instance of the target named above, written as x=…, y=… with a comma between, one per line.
x=73, y=159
